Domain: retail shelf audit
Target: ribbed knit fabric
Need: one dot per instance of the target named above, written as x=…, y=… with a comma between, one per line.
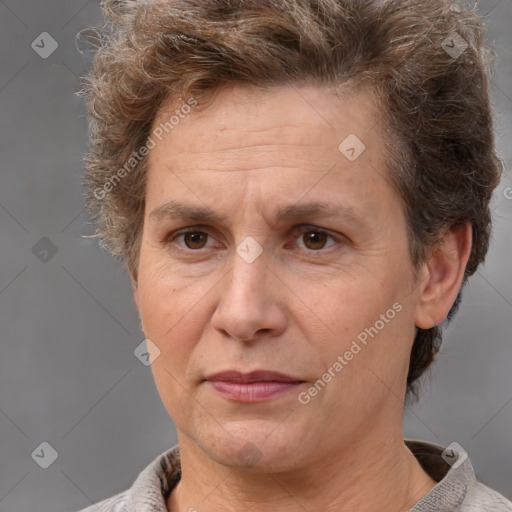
x=457, y=488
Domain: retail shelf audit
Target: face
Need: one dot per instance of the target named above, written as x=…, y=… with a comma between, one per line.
x=273, y=242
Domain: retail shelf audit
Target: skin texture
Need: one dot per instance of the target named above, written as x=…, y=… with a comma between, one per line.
x=297, y=307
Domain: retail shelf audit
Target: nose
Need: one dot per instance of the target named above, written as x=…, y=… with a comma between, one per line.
x=250, y=305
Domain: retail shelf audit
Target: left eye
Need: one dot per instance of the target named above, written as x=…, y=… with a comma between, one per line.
x=194, y=239
x=315, y=239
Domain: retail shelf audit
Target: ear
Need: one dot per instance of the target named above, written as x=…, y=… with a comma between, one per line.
x=443, y=274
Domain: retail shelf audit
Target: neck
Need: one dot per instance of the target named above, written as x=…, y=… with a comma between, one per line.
x=372, y=474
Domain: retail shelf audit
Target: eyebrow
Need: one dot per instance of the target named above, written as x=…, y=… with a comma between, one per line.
x=179, y=210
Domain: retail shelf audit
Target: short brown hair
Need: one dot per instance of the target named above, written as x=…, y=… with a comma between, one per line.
x=435, y=103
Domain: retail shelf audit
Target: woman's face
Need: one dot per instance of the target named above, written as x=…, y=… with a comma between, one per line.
x=301, y=267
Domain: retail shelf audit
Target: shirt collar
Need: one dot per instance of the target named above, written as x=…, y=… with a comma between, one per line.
x=450, y=467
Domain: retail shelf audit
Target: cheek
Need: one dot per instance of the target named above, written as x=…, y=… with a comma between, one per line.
x=174, y=320
x=173, y=315
x=164, y=297
x=368, y=319
x=351, y=306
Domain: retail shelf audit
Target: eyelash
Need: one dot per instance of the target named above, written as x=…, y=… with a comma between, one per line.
x=300, y=230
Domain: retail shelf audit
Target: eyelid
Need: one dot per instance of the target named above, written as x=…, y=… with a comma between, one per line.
x=305, y=228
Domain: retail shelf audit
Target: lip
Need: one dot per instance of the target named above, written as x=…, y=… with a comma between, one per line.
x=256, y=386
x=254, y=376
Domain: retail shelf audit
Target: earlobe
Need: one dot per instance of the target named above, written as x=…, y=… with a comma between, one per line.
x=444, y=273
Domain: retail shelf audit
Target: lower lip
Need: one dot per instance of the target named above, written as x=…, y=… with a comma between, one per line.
x=252, y=391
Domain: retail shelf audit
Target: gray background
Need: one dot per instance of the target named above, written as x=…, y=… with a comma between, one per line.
x=68, y=375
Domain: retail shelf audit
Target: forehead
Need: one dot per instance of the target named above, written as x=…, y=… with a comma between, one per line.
x=308, y=115
x=266, y=144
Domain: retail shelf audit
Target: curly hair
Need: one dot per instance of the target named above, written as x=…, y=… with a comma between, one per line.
x=426, y=60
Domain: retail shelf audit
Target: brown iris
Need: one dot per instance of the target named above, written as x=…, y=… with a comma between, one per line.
x=315, y=239
x=195, y=239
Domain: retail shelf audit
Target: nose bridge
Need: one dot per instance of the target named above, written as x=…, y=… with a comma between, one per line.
x=248, y=275
x=247, y=304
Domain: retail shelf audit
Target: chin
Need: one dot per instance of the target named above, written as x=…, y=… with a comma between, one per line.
x=255, y=445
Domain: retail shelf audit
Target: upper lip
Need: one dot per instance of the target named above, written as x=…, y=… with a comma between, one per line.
x=254, y=376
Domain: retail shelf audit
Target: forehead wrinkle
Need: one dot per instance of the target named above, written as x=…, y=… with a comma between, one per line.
x=310, y=158
x=245, y=147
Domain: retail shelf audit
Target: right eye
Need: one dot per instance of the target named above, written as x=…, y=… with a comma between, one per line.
x=189, y=239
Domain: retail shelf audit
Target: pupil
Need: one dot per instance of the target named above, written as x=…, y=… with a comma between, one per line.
x=194, y=239
x=316, y=239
